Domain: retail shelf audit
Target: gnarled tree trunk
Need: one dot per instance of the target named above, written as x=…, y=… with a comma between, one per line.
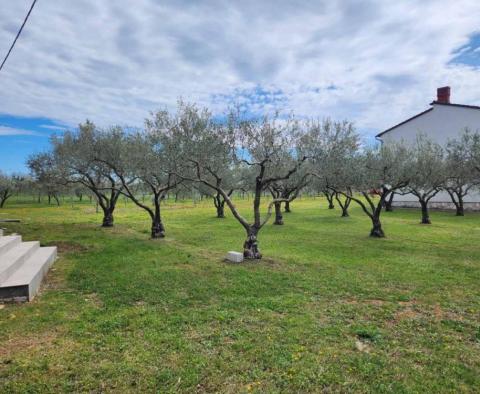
x=219, y=202
x=108, y=204
x=250, y=246
x=158, y=230
x=107, y=217
x=287, y=207
x=377, y=230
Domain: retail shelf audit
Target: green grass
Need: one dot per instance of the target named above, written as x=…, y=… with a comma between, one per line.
x=327, y=309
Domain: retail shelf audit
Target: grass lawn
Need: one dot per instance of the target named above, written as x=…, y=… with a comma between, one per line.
x=327, y=309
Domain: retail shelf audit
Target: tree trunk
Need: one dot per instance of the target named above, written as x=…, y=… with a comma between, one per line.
x=330, y=200
x=459, y=206
x=287, y=207
x=250, y=247
x=5, y=196
x=460, y=211
x=388, y=203
x=219, y=205
x=107, y=217
x=278, y=214
x=377, y=230
x=221, y=210
x=3, y=199
x=158, y=230
x=425, y=216
x=343, y=205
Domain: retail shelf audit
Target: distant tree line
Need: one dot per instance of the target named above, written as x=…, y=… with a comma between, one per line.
x=280, y=157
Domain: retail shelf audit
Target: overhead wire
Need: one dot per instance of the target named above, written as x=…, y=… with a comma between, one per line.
x=18, y=34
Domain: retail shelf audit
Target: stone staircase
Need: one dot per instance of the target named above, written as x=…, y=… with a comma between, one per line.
x=23, y=265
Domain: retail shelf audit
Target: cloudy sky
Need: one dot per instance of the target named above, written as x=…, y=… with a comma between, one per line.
x=373, y=62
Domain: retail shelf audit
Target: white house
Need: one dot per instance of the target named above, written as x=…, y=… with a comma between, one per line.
x=441, y=122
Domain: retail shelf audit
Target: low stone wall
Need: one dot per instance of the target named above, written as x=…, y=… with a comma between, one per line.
x=446, y=206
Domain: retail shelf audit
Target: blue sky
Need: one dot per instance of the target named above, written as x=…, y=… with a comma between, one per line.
x=21, y=136
x=374, y=62
x=468, y=54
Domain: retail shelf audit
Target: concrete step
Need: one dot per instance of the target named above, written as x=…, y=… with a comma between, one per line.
x=15, y=257
x=24, y=283
x=8, y=242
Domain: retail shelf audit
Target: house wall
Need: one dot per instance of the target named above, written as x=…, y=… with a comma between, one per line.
x=444, y=122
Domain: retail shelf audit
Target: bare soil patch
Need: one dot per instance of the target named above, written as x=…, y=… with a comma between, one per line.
x=22, y=343
x=68, y=247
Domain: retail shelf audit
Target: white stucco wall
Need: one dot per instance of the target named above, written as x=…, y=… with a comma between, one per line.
x=442, y=123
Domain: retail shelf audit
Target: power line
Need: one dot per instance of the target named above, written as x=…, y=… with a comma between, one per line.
x=18, y=34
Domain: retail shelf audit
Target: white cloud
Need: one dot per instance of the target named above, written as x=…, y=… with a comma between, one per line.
x=52, y=127
x=114, y=61
x=4, y=131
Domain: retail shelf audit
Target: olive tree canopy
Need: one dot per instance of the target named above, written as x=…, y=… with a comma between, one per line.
x=48, y=176
x=143, y=160
x=377, y=172
x=76, y=153
x=333, y=148
x=427, y=172
x=258, y=146
x=10, y=184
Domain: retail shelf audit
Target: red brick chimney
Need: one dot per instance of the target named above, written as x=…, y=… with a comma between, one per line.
x=443, y=95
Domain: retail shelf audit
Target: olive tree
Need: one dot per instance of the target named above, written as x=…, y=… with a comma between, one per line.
x=258, y=145
x=143, y=159
x=329, y=195
x=76, y=155
x=287, y=189
x=472, y=142
x=461, y=172
x=332, y=149
x=427, y=173
x=377, y=171
x=47, y=175
x=7, y=188
x=230, y=180
x=344, y=200
x=12, y=184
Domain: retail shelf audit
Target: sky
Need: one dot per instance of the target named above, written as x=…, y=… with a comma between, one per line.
x=373, y=62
